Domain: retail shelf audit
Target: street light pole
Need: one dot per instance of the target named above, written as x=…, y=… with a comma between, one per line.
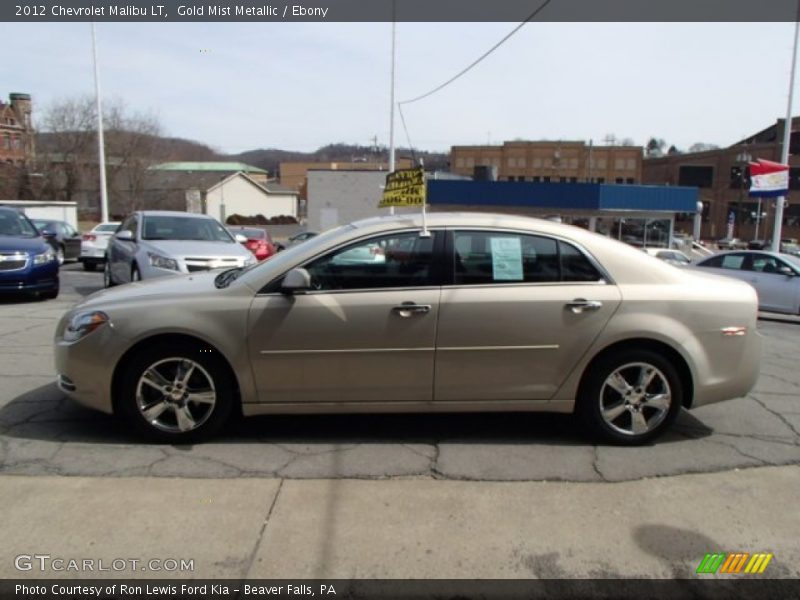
x=787, y=132
x=101, y=150
x=391, y=103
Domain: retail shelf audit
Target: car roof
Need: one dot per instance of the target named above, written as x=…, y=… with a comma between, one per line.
x=171, y=213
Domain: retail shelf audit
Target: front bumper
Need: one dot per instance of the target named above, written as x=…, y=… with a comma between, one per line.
x=36, y=278
x=85, y=368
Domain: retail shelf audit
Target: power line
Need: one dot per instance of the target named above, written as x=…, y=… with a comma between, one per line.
x=483, y=56
x=408, y=137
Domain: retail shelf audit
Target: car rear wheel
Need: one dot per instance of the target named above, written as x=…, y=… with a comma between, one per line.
x=108, y=280
x=630, y=397
x=177, y=393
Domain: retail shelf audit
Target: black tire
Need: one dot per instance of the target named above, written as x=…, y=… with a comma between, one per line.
x=135, y=274
x=165, y=358
x=596, y=393
x=89, y=266
x=108, y=279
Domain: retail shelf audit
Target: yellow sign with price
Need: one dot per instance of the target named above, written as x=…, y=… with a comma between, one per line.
x=405, y=187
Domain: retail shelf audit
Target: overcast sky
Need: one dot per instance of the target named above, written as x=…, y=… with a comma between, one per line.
x=294, y=86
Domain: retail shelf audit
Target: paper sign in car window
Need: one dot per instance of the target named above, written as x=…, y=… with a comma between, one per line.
x=506, y=259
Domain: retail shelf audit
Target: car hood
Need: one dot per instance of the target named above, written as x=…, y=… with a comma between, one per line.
x=184, y=249
x=25, y=244
x=173, y=286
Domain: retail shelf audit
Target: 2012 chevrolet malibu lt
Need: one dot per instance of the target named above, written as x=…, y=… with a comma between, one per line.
x=474, y=313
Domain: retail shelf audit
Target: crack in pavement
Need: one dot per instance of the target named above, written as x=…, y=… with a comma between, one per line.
x=596, y=463
x=777, y=414
x=260, y=537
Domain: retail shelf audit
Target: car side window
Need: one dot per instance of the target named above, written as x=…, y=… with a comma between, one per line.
x=732, y=261
x=389, y=261
x=483, y=257
x=764, y=264
x=575, y=266
x=129, y=224
x=714, y=262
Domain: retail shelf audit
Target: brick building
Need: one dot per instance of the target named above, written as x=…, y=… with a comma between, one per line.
x=551, y=162
x=294, y=175
x=722, y=177
x=16, y=131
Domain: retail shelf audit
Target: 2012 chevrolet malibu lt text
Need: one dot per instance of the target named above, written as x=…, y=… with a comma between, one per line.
x=476, y=312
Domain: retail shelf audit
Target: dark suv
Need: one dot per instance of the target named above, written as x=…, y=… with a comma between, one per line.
x=27, y=261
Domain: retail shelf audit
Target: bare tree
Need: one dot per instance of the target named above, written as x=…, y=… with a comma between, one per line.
x=68, y=152
x=69, y=127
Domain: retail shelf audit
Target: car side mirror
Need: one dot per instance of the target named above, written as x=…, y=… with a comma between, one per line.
x=124, y=236
x=48, y=234
x=788, y=271
x=296, y=281
x=240, y=238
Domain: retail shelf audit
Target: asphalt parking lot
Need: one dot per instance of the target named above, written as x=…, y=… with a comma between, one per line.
x=43, y=433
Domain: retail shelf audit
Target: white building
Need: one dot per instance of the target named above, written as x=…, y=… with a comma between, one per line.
x=240, y=195
x=339, y=197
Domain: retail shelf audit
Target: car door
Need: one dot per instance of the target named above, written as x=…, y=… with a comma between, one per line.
x=776, y=291
x=121, y=252
x=364, y=333
x=72, y=241
x=517, y=315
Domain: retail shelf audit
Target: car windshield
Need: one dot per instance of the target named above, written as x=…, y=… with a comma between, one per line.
x=251, y=234
x=14, y=224
x=163, y=227
x=793, y=260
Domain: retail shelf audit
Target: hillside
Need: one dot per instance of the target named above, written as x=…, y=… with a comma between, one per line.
x=177, y=149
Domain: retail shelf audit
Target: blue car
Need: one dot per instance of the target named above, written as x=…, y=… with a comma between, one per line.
x=28, y=262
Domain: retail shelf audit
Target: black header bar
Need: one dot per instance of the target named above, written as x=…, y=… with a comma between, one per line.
x=398, y=10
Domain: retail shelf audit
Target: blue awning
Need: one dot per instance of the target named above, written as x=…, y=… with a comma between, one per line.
x=564, y=196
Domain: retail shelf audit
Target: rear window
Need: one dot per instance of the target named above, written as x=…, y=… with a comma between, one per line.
x=107, y=227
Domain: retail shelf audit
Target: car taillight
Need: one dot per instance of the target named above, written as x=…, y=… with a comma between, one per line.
x=88, y=237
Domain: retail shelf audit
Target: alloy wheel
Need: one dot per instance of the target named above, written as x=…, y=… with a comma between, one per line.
x=176, y=395
x=635, y=399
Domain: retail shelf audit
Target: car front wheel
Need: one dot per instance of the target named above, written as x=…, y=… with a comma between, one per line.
x=108, y=280
x=177, y=393
x=630, y=397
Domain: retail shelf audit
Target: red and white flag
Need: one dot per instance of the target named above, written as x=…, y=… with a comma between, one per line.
x=768, y=179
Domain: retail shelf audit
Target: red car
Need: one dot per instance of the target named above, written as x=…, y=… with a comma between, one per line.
x=258, y=241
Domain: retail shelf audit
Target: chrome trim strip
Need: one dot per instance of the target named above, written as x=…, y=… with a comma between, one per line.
x=347, y=351
x=474, y=348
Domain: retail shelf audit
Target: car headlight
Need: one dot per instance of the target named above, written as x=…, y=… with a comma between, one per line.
x=45, y=257
x=82, y=324
x=162, y=262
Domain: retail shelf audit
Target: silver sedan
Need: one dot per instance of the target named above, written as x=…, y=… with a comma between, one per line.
x=476, y=313
x=154, y=243
x=775, y=277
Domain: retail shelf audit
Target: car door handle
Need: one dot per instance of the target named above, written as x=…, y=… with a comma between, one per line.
x=406, y=309
x=580, y=305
